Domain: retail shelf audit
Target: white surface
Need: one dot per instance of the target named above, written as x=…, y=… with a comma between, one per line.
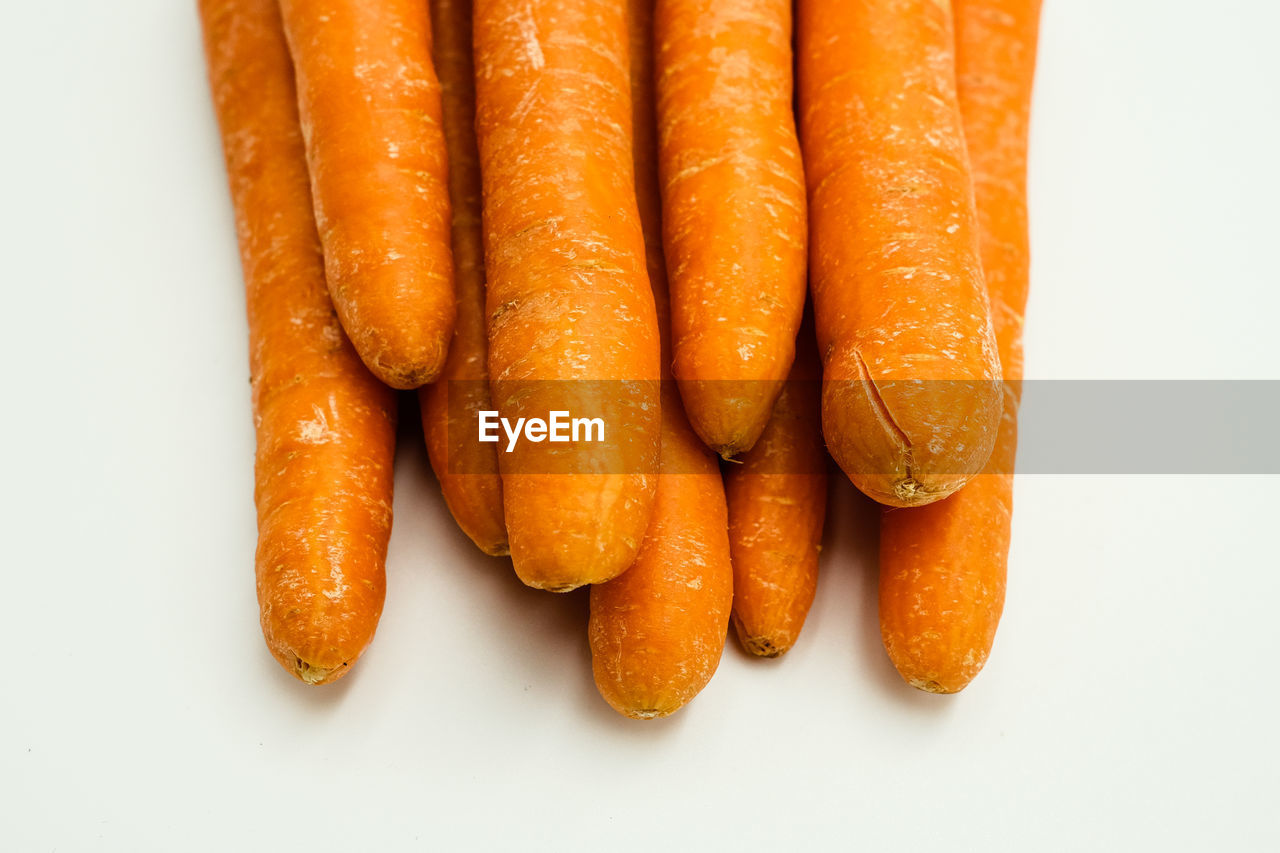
x=1129, y=703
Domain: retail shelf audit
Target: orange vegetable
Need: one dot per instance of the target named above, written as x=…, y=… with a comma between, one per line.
x=943, y=567
x=912, y=399
x=467, y=470
x=733, y=200
x=325, y=426
x=995, y=68
x=657, y=632
x=571, y=317
x=777, y=505
x=370, y=107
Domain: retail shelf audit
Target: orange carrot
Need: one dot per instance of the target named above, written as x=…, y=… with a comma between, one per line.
x=995, y=67
x=571, y=317
x=777, y=504
x=943, y=567
x=467, y=470
x=911, y=400
x=370, y=108
x=325, y=426
x=657, y=632
x=733, y=201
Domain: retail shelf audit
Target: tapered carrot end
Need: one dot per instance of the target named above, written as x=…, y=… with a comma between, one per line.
x=495, y=549
x=934, y=662
x=907, y=443
x=404, y=341
x=318, y=640
x=570, y=530
x=729, y=415
x=645, y=713
x=911, y=490
x=942, y=584
x=763, y=645
x=475, y=502
x=563, y=567
x=640, y=695
x=929, y=685
x=316, y=675
x=407, y=368
x=938, y=623
x=638, y=688
x=489, y=536
x=945, y=683
x=310, y=671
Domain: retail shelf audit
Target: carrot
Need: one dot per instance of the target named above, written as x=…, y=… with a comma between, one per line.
x=943, y=567
x=325, y=426
x=571, y=317
x=657, y=632
x=942, y=575
x=995, y=67
x=467, y=470
x=777, y=505
x=733, y=200
x=370, y=107
x=911, y=400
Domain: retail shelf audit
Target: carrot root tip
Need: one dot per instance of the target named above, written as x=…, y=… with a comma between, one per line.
x=645, y=713
x=908, y=490
x=554, y=587
x=406, y=373
x=762, y=647
x=314, y=675
x=408, y=378
x=912, y=492
x=929, y=685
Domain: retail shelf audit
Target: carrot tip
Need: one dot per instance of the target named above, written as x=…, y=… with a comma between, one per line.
x=407, y=378
x=645, y=713
x=911, y=492
x=554, y=587
x=762, y=647
x=929, y=685
x=733, y=445
x=316, y=675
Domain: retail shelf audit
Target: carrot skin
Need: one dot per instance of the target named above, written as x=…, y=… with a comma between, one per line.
x=467, y=470
x=571, y=317
x=943, y=568
x=912, y=398
x=777, y=505
x=733, y=199
x=657, y=632
x=370, y=107
x=325, y=426
x=942, y=575
x=995, y=71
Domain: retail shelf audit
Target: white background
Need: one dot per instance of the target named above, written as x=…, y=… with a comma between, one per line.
x=1131, y=698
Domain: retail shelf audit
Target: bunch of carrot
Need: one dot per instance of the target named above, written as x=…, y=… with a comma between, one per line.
x=565, y=205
